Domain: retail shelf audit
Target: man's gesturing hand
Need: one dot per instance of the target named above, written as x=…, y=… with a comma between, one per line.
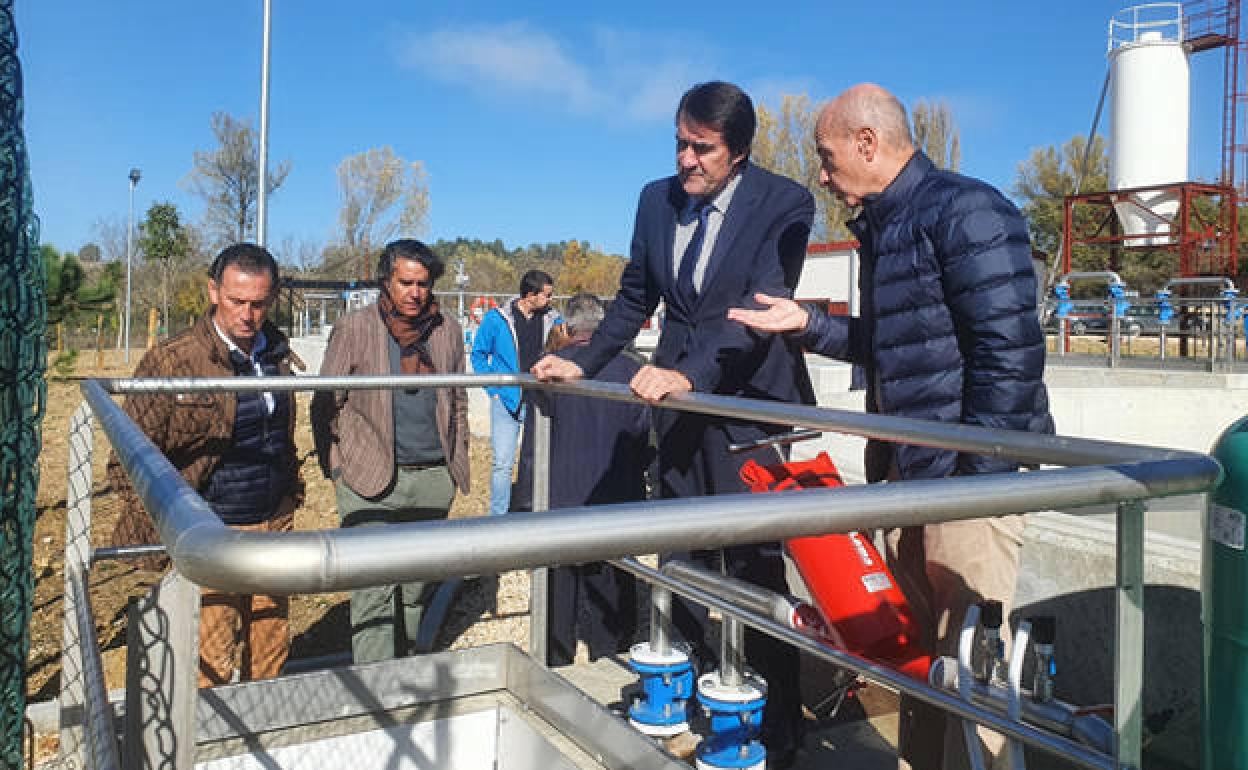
x=779, y=315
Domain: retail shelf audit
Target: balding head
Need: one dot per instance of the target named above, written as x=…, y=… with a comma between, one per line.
x=863, y=139
x=867, y=105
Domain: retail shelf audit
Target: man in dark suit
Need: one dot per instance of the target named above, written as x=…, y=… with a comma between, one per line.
x=706, y=240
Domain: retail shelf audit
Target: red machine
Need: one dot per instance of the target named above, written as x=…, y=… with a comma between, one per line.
x=865, y=610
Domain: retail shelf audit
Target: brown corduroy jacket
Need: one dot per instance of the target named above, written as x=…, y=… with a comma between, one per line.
x=192, y=429
x=354, y=430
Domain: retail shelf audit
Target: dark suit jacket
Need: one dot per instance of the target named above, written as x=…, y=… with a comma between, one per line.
x=761, y=247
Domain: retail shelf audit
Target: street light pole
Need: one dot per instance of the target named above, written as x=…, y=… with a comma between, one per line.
x=262, y=207
x=134, y=181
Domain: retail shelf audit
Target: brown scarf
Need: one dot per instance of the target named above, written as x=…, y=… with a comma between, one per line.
x=412, y=333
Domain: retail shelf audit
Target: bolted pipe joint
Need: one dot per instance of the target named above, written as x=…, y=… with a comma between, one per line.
x=662, y=709
x=735, y=717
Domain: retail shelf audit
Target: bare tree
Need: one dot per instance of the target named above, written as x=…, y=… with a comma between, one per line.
x=299, y=254
x=936, y=133
x=110, y=234
x=228, y=179
x=383, y=196
x=785, y=143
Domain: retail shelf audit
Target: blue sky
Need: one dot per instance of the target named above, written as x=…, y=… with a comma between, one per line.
x=536, y=122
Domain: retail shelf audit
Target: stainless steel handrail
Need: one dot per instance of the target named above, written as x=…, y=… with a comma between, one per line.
x=212, y=554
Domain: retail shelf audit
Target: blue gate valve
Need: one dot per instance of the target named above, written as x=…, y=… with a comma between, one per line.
x=1118, y=300
x=1165, y=311
x=735, y=715
x=1234, y=311
x=666, y=687
x=1064, y=305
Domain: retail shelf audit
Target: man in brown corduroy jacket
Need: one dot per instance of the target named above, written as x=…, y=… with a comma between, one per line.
x=237, y=450
x=394, y=455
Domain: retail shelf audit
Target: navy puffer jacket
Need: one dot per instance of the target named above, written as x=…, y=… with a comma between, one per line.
x=948, y=328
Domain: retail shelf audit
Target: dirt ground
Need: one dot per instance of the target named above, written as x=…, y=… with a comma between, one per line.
x=487, y=610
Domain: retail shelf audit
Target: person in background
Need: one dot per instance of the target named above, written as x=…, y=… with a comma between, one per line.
x=510, y=340
x=948, y=331
x=706, y=240
x=395, y=455
x=237, y=450
x=599, y=453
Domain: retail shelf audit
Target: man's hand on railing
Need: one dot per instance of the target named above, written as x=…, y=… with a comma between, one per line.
x=553, y=368
x=655, y=383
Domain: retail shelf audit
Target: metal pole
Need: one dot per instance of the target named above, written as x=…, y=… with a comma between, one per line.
x=1129, y=638
x=134, y=181
x=1115, y=338
x=539, y=592
x=660, y=620
x=262, y=192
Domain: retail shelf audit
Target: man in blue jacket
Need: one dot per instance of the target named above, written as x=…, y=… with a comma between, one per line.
x=948, y=331
x=510, y=340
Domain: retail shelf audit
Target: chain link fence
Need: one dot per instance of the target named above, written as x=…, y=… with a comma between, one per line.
x=23, y=393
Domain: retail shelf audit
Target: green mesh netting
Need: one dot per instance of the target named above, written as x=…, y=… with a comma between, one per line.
x=23, y=356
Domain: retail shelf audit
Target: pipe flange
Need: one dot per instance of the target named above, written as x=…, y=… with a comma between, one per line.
x=751, y=688
x=641, y=653
x=659, y=730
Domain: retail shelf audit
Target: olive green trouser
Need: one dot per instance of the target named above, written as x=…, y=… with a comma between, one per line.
x=385, y=620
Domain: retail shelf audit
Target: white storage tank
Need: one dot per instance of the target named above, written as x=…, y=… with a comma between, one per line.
x=1149, y=106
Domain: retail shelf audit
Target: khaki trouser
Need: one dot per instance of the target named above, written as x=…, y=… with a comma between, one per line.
x=249, y=632
x=944, y=569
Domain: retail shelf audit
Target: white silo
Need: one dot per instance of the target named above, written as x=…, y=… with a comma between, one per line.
x=1149, y=78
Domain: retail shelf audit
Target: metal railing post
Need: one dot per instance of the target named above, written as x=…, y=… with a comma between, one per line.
x=539, y=591
x=162, y=672
x=77, y=565
x=1115, y=339
x=1129, y=635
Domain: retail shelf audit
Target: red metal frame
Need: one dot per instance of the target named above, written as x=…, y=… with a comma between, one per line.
x=1213, y=24
x=1205, y=247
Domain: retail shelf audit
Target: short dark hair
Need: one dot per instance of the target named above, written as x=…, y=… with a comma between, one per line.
x=247, y=257
x=534, y=281
x=583, y=312
x=409, y=248
x=722, y=107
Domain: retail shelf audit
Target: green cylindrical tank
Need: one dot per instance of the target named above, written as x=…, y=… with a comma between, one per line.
x=1224, y=609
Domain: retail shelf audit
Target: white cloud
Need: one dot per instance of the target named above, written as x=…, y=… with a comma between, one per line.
x=618, y=74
